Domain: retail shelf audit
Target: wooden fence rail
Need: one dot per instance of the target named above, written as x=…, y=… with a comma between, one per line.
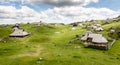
x=111, y=44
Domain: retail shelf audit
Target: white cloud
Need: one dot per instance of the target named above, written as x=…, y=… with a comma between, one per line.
x=13, y=15
x=58, y=3
x=73, y=14
x=62, y=3
x=66, y=11
x=9, y=14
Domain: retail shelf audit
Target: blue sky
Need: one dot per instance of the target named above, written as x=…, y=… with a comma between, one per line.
x=111, y=4
x=57, y=11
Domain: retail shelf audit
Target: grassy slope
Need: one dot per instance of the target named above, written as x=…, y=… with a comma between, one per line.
x=43, y=42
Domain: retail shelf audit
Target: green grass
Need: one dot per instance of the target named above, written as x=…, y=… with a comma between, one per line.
x=45, y=43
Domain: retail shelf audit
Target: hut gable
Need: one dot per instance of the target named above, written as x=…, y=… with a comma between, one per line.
x=87, y=33
x=15, y=28
x=84, y=38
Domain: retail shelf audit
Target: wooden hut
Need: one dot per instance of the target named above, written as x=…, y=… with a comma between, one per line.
x=19, y=33
x=74, y=24
x=112, y=31
x=95, y=41
x=98, y=29
x=16, y=25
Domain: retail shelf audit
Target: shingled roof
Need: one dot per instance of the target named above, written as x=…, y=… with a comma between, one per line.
x=84, y=38
x=97, y=38
x=19, y=33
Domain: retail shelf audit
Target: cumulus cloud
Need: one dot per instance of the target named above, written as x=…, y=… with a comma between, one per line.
x=58, y=3
x=62, y=3
x=65, y=11
x=70, y=14
x=13, y=15
x=9, y=14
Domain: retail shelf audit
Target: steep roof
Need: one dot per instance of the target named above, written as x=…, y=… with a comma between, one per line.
x=84, y=38
x=15, y=28
x=19, y=33
x=85, y=35
x=97, y=38
x=99, y=29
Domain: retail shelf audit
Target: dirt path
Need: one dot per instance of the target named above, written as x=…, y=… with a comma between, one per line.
x=34, y=54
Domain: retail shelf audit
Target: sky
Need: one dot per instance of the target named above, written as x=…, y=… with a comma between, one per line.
x=57, y=11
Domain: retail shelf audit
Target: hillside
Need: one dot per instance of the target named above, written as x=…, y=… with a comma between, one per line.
x=45, y=47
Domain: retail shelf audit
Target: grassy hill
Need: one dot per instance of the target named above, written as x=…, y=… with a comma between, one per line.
x=45, y=47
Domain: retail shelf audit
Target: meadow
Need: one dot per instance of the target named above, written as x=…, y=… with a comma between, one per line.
x=45, y=47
